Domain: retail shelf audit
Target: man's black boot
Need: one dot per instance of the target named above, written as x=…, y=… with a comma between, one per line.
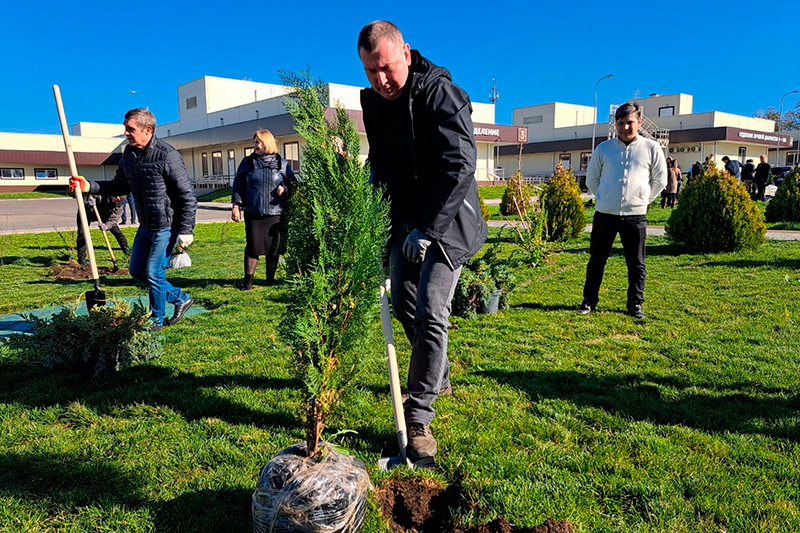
x=180, y=310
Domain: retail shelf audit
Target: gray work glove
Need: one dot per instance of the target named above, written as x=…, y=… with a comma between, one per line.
x=90, y=201
x=104, y=226
x=415, y=246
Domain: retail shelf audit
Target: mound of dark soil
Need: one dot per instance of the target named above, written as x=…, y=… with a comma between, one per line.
x=73, y=270
x=423, y=506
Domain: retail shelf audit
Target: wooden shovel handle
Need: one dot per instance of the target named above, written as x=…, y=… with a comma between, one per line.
x=108, y=244
x=78, y=194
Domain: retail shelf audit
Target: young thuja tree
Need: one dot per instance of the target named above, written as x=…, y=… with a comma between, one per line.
x=338, y=228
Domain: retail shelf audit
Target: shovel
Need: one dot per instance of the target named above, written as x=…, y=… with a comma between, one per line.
x=96, y=297
x=108, y=244
x=388, y=463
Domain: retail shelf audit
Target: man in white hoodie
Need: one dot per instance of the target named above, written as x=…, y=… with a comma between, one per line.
x=625, y=174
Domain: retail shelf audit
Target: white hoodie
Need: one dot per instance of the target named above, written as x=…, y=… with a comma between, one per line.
x=625, y=179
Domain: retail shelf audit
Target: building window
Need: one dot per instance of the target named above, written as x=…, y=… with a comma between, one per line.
x=566, y=160
x=12, y=173
x=216, y=163
x=204, y=163
x=231, y=155
x=191, y=102
x=666, y=111
x=248, y=151
x=536, y=119
x=742, y=154
x=791, y=159
x=45, y=173
x=291, y=152
x=585, y=157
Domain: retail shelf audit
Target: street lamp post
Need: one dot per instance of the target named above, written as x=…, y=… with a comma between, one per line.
x=146, y=105
x=594, y=115
x=780, y=124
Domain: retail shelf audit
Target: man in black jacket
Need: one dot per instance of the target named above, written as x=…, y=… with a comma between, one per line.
x=762, y=177
x=155, y=173
x=422, y=148
x=748, y=175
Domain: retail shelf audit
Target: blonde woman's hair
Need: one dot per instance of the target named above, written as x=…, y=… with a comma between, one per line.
x=266, y=137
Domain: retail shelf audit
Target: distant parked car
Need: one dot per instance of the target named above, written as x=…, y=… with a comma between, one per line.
x=778, y=173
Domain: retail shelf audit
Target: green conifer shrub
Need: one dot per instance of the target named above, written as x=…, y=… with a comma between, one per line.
x=337, y=234
x=785, y=205
x=103, y=341
x=517, y=196
x=485, y=213
x=561, y=199
x=716, y=214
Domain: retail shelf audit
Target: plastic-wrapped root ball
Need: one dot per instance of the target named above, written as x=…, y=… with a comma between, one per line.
x=295, y=494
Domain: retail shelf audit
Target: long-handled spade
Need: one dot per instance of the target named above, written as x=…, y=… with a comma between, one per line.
x=387, y=463
x=108, y=244
x=96, y=297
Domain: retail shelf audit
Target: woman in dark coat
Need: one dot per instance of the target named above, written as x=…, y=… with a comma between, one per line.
x=260, y=189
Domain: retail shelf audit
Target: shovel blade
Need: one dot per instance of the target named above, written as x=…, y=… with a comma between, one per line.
x=95, y=298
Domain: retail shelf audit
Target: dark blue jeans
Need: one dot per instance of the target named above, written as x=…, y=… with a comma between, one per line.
x=421, y=295
x=127, y=204
x=148, y=263
x=632, y=231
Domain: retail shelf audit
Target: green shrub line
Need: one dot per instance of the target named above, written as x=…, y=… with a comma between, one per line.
x=685, y=422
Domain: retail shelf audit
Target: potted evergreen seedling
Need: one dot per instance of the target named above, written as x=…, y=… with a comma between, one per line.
x=338, y=228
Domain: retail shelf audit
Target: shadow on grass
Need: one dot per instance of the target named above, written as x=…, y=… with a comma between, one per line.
x=38, y=260
x=207, y=511
x=192, y=396
x=638, y=397
x=66, y=480
x=790, y=264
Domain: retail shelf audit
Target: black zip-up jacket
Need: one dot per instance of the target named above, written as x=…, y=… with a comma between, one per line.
x=256, y=183
x=162, y=190
x=443, y=155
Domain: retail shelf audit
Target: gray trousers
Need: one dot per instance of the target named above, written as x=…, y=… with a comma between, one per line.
x=421, y=295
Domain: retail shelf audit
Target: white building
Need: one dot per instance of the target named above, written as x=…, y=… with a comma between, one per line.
x=30, y=161
x=218, y=117
x=563, y=132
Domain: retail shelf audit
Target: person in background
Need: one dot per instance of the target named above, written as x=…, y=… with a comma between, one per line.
x=109, y=208
x=761, y=178
x=155, y=173
x=131, y=206
x=733, y=167
x=748, y=177
x=259, y=194
x=625, y=174
x=673, y=179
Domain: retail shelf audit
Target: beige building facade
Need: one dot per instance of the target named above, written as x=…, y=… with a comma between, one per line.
x=30, y=161
x=559, y=132
x=214, y=130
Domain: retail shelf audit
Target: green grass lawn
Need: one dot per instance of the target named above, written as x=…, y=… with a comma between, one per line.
x=687, y=421
x=32, y=195
x=220, y=195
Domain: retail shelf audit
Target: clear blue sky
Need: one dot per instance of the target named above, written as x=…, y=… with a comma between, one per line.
x=730, y=55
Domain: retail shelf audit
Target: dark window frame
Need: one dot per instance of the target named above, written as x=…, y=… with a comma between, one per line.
x=587, y=159
x=36, y=170
x=214, y=163
x=666, y=107
x=291, y=161
x=193, y=100
x=204, y=164
x=742, y=154
x=12, y=169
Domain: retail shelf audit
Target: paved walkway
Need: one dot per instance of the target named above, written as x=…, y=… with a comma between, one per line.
x=58, y=214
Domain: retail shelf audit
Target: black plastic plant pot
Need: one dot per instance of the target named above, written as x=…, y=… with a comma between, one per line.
x=295, y=494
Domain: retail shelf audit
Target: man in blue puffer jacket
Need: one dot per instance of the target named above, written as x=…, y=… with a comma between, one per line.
x=155, y=173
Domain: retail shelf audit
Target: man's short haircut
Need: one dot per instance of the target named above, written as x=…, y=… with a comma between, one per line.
x=726, y=158
x=266, y=137
x=143, y=118
x=626, y=109
x=372, y=34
